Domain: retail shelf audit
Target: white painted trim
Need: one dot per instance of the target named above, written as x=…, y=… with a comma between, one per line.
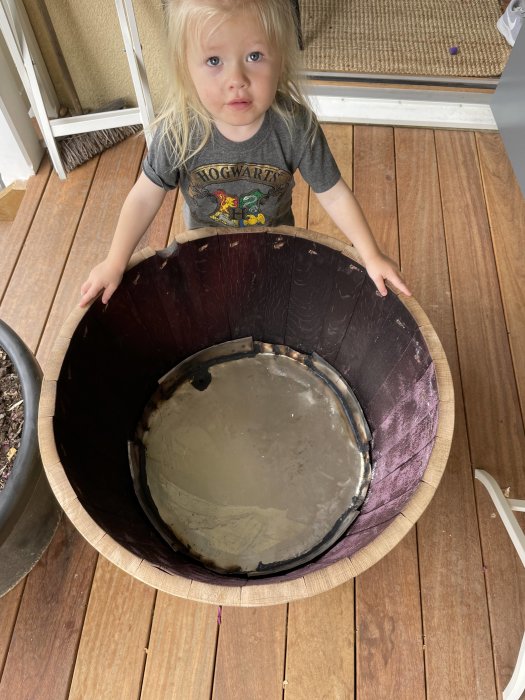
x=20, y=149
x=19, y=39
x=398, y=107
x=95, y=121
x=17, y=31
x=516, y=686
x=130, y=36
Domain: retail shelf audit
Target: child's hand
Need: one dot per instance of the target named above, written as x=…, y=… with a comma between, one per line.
x=105, y=276
x=381, y=268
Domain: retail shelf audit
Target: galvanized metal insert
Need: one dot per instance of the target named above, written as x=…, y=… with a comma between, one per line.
x=252, y=458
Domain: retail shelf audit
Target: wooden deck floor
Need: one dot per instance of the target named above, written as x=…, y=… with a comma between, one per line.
x=443, y=614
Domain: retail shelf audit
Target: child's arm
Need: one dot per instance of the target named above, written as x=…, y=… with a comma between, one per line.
x=344, y=210
x=138, y=211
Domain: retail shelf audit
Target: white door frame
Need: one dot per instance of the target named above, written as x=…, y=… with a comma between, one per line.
x=20, y=149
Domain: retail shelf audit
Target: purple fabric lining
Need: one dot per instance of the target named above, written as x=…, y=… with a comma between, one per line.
x=386, y=463
x=407, y=371
x=412, y=406
x=403, y=482
x=356, y=541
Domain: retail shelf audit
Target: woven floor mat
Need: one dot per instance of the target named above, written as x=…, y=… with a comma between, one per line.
x=404, y=37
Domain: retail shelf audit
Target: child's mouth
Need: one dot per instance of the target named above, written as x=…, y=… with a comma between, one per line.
x=239, y=104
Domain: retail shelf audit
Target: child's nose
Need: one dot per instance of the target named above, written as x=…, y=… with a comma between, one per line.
x=237, y=77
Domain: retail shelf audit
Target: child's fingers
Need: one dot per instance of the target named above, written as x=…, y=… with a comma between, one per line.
x=89, y=292
x=85, y=299
x=108, y=292
x=400, y=284
x=380, y=284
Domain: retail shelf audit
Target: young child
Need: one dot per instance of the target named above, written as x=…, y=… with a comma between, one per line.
x=235, y=128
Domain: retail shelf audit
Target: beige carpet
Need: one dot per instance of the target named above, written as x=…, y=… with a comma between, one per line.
x=404, y=37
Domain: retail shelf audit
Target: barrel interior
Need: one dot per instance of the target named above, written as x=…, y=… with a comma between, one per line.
x=288, y=288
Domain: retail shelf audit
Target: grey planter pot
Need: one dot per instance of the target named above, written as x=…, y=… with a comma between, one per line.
x=29, y=513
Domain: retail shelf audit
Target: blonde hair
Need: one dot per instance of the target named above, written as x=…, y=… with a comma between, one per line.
x=184, y=121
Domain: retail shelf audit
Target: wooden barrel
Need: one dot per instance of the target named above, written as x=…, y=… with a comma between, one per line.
x=284, y=286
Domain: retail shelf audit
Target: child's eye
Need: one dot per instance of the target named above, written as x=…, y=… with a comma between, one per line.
x=255, y=56
x=213, y=61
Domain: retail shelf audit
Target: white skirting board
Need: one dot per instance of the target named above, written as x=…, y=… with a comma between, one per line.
x=433, y=109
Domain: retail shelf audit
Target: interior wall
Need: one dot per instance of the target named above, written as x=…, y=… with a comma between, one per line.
x=90, y=38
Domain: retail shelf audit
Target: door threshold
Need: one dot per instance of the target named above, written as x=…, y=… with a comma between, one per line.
x=402, y=107
x=431, y=81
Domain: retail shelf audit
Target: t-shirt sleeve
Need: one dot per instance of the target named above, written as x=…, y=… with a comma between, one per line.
x=317, y=164
x=157, y=164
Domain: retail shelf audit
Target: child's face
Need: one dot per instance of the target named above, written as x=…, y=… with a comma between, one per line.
x=235, y=72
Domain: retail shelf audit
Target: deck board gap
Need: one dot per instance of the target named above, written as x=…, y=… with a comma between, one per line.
x=79, y=640
x=146, y=650
x=27, y=226
x=285, y=649
x=217, y=633
x=13, y=625
x=422, y=608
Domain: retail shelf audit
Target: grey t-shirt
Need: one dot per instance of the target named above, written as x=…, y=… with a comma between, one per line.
x=247, y=183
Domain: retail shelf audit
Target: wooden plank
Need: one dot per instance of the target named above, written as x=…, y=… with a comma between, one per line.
x=244, y=263
x=250, y=654
x=348, y=280
x=311, y=290
x=114, y=177
x=388, y=622
x=375, y=184
x=10, y=200
x=388, y=618
x=189, y=289
x=506, y=210
x=315, y=666
x=112, y=650
x=339, y=139
x=495, y=427
x=14, y=235
x=181, y=650
x=492, y=409
x=450, y=563
x=9, y=605
x=377, y=337
x=280, y=255
x=49, y=622
x=36, y=276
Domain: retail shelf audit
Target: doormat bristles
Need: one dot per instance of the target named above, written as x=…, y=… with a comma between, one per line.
x=404, y=37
